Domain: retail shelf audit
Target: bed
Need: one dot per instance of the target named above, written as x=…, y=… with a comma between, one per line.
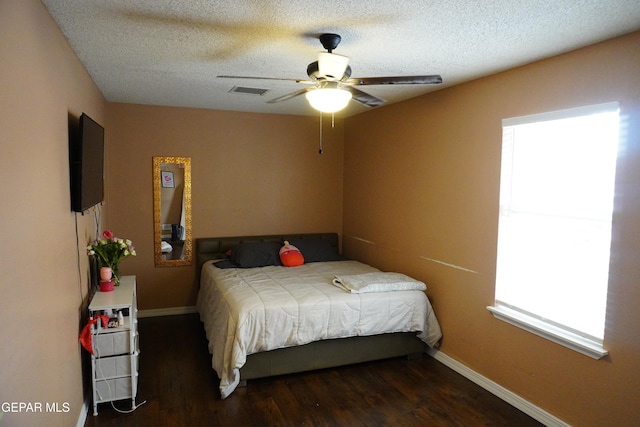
x=264, y=319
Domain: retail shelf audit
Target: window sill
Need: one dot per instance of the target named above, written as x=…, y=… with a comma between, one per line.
x=550, y=332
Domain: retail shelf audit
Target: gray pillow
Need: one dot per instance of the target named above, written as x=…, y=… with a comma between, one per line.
x=256, y=254
x=317, y=250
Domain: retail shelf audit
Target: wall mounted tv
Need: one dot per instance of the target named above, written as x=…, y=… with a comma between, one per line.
x=86, y=156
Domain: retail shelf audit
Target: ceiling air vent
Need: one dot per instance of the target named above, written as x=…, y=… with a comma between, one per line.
x=248, y=90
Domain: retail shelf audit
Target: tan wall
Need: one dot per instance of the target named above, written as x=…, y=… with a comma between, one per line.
x=421, y=184
x=43, y=270
x=421, y=196
x=251, y=174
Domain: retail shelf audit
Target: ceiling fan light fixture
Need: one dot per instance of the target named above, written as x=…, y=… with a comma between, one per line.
x=328, y=100
x=331, y=65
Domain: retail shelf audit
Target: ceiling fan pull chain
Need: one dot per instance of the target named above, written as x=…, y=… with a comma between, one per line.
x=320, y=150
x=333, y=120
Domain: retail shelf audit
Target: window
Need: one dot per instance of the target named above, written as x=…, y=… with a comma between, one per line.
x=554, y=233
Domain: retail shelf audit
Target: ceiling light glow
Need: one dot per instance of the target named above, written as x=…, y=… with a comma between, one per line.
x=328, y=100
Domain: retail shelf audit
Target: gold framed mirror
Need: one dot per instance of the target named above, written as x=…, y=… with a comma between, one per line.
x=172, y=243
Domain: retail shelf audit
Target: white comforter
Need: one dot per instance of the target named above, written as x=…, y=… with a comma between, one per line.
x=246, y=311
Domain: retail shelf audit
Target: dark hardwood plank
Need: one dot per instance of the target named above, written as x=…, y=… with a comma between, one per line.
x=181, y=389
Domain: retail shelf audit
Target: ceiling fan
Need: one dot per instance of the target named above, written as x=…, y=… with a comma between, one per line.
x=331, y=78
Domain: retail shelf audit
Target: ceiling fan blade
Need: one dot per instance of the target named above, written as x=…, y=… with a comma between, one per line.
x=398, y=80
x=290, y=95
x=267, y=78
x=364, y=98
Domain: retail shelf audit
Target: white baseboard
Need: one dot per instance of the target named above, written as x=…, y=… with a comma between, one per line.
x=171, y=311
x=82, y=417
x=508, y=396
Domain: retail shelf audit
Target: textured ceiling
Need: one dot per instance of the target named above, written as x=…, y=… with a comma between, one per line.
x=169, y=52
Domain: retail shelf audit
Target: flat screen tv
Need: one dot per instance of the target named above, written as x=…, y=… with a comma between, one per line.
x=86, y=152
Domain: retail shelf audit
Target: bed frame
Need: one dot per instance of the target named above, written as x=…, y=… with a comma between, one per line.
x=318, y=354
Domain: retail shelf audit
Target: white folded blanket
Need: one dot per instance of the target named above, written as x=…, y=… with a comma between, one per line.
x=377, y=282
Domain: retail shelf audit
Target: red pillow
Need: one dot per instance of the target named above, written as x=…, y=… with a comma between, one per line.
x=290, y=255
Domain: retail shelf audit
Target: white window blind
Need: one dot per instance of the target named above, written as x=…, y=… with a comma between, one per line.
x=554, y=234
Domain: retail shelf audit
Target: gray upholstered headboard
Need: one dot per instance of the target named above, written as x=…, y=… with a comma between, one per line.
x=208, y=248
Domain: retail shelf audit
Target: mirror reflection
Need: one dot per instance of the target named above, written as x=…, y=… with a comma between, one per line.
x=172, y=211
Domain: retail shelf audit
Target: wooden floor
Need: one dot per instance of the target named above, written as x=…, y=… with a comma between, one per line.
x=181, y=389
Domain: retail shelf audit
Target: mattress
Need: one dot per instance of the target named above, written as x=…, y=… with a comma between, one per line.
x=251, y=310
